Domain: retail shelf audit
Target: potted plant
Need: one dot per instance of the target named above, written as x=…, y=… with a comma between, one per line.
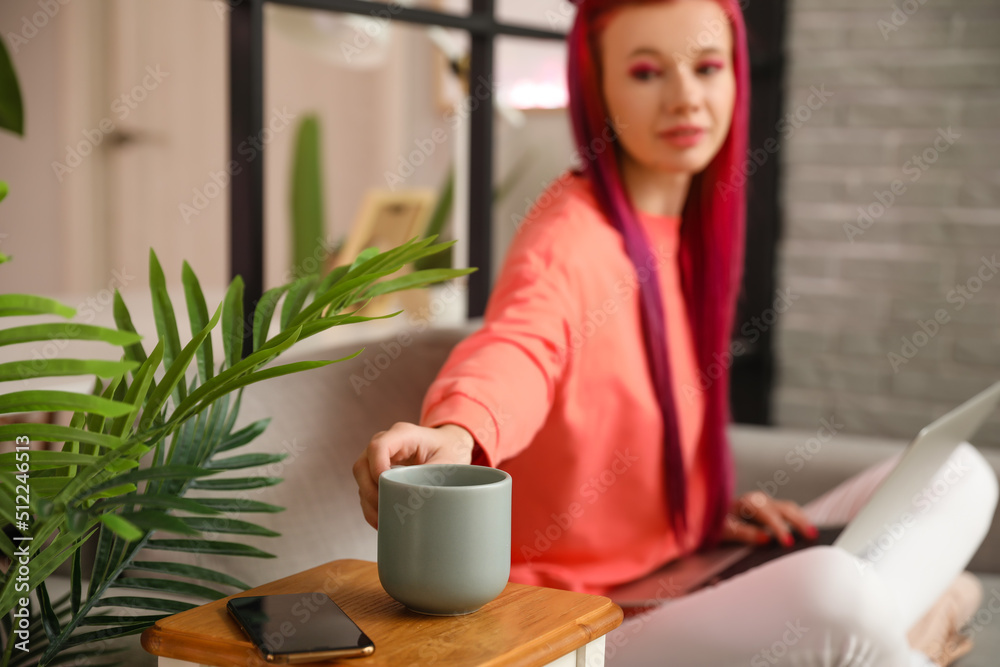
x=159, y=422
x=145, y=436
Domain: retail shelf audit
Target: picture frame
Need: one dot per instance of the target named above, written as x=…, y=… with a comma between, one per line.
x=386, y=219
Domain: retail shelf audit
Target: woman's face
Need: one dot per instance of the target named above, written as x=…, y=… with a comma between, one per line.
x=668, y=82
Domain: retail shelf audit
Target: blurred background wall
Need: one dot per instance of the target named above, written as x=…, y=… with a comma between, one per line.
x=891, y=196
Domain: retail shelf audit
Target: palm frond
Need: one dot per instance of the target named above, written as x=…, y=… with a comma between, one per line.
x=136, y=446
x=198, y=317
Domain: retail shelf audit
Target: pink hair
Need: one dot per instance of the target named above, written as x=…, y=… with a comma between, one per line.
x=711, y=255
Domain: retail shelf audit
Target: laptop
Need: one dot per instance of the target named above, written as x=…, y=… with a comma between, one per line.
x=922, y=458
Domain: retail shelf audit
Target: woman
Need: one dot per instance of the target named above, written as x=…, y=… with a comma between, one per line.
x=586, y=380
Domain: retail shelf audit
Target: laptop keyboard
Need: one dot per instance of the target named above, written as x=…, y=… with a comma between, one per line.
x=764, y=554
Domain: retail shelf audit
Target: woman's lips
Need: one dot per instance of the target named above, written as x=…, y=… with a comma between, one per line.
x=684, y=136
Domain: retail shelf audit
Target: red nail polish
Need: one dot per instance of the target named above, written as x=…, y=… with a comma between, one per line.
x=813, y=532
x=763, y=538
x=787, y=540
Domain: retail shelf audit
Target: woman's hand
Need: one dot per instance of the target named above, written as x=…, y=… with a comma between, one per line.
x=751, y=513
x=407, y=444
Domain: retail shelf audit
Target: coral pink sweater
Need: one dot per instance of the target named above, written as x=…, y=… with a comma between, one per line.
x=556, y=390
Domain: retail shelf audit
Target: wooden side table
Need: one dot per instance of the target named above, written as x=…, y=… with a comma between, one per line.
x=525, y=625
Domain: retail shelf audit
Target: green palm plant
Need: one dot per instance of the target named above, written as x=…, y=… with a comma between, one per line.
x=158, y=424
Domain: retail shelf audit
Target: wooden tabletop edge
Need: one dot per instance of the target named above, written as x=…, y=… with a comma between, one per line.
x=198, y=649
x=588, y=627
x=584, y=619
x=602, y=621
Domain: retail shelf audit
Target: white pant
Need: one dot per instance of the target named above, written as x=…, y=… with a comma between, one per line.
x=822, y=606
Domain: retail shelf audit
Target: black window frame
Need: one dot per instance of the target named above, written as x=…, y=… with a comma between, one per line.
x=246, y=103
x=751, y=372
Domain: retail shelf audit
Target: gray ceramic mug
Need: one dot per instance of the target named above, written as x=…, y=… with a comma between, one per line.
x=444, y=536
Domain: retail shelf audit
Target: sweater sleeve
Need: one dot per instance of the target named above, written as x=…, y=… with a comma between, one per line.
x=500, y=382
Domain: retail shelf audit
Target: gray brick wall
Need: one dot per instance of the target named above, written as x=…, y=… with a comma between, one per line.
x=898, y=315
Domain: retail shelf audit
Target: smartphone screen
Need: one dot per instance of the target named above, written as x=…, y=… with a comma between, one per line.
x=299, y=627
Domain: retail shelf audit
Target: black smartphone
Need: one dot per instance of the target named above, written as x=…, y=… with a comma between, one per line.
x=299, y=627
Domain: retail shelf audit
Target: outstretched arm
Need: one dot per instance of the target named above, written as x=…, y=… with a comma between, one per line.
x=500, y=382
x=498, y=385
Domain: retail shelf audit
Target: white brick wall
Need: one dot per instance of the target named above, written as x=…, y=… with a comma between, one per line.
x=901, y=73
